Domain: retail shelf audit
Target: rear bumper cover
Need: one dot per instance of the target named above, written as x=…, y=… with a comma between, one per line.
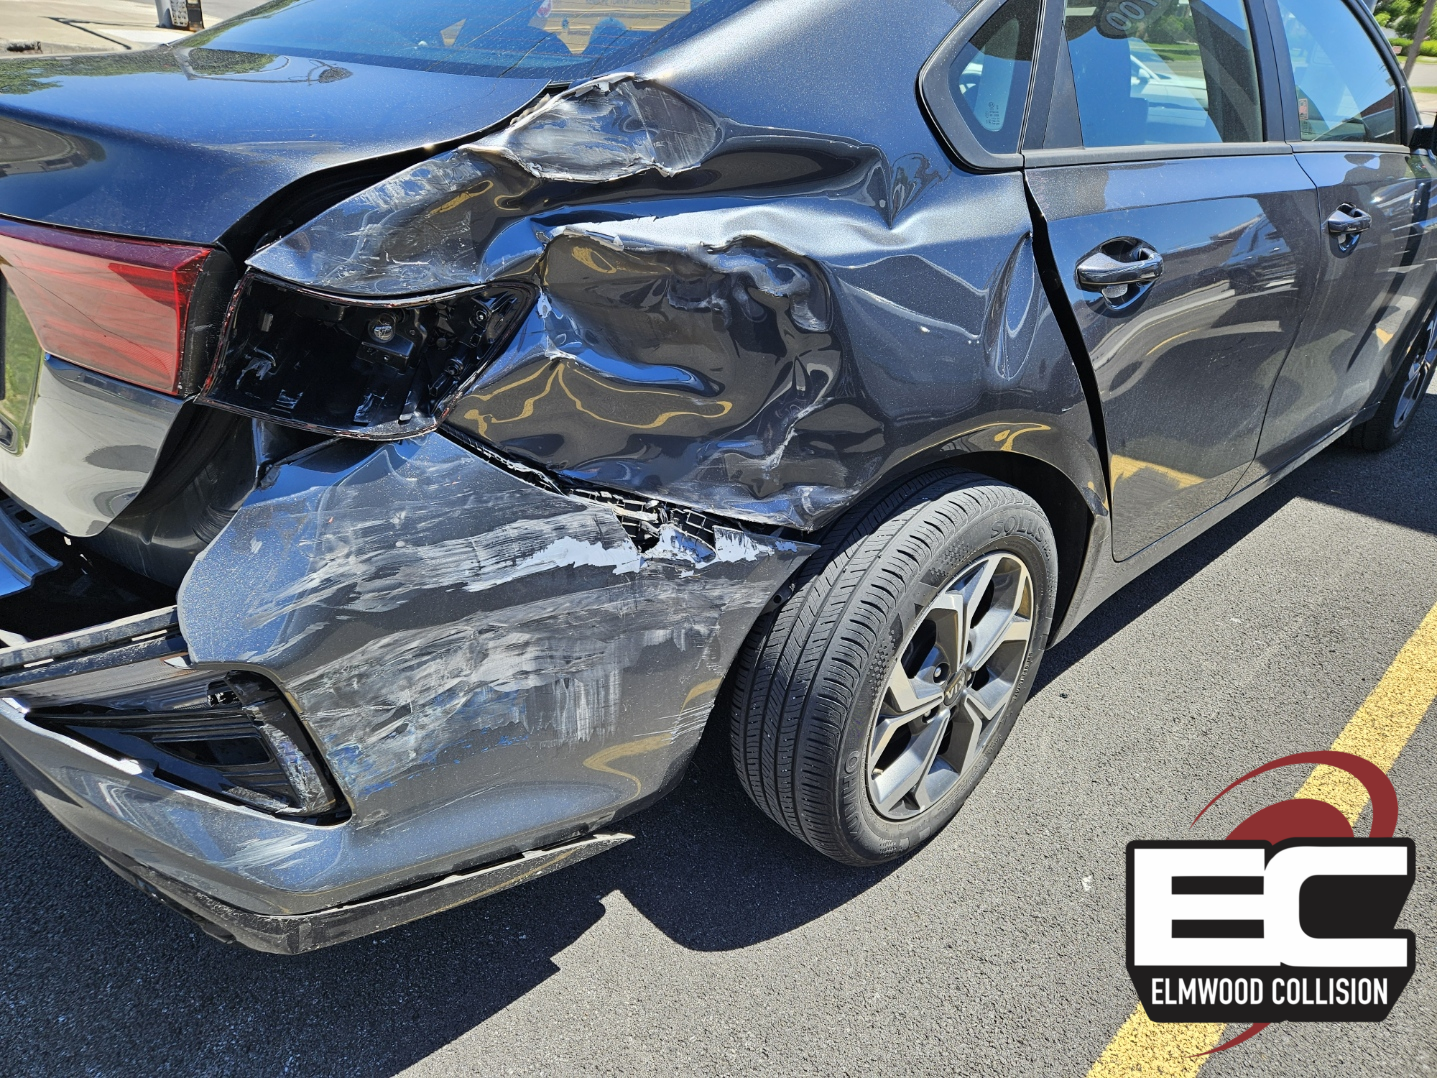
x=487, y=667
x=308, y=932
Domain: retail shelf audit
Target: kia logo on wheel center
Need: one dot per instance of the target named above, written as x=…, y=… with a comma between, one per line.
x=1290, y=919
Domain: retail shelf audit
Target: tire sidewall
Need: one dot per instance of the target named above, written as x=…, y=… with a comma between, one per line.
x=1015, y=528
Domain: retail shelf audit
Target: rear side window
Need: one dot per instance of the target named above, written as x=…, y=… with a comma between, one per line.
x=558, y=40
x=1152, y=72
x=989, y=76
x=1345, y=92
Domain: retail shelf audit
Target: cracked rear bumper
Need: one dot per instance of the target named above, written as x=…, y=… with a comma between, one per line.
x=487, y=668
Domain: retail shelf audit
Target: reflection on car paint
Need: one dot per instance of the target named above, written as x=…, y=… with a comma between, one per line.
x=739, y=328
x=574, y=22
x=423, y=606
x=681, y=348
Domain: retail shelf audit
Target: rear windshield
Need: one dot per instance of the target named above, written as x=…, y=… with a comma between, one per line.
x=558, y=40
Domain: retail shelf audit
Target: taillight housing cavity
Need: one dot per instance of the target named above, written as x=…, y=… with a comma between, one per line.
x=378, y=369
x=119, y=307
x=232, y=736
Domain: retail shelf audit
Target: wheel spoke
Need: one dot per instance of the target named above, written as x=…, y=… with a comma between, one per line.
x=976, y=583
x=900, y=777
x=935, y=784
x=995, y=630
x=883, y=733
x=975, y=734
x=963, y=745
x=983, y=705
x=949, y=615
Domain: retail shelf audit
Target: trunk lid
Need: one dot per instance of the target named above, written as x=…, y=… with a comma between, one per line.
x=180, y=144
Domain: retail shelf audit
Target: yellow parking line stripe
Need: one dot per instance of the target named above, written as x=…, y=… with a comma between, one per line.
x=1384, y=722
x=1378, y=732
x=1143, y=1046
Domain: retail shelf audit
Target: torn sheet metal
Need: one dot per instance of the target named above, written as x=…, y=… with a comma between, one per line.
x=427, y=228
x=451, y=632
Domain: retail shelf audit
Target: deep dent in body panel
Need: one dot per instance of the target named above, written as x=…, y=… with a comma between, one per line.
x=811, y=308
x=682, y=347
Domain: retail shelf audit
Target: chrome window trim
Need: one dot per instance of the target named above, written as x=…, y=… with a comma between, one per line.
x=1101, y=155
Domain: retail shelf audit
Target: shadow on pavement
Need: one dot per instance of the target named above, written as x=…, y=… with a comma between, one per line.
x=99, y=980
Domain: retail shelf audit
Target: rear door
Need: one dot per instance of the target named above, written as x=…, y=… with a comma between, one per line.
x=1348, y=122
x=1180, y=223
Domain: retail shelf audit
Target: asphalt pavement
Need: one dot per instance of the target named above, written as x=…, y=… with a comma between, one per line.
x=715, y=944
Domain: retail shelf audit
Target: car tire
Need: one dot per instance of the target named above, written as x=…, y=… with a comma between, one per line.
x=827, y=694
x=1403, y=397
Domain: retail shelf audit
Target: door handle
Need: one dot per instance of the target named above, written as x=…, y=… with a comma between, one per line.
x=1113, y=277
x=1348, y=223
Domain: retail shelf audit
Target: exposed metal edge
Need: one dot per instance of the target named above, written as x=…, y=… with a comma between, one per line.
x=92, y=639
x=299, y=933
x=616, y=499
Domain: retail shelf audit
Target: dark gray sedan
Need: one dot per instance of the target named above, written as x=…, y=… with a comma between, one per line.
x=421, y=420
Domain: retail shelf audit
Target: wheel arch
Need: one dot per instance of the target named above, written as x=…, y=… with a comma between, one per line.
x=1079, y=519
x=1064, y=505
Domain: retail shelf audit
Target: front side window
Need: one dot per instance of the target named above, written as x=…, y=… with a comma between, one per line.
x=1152, y=72
x=1345, y=92
x=989, y=76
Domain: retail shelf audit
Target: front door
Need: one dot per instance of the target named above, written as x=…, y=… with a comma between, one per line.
x=1372, y=213
x=1185, y=250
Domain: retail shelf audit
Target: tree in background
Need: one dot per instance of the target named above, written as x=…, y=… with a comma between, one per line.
x=1419, y=38
x=1410, y=19
x=1400, y=15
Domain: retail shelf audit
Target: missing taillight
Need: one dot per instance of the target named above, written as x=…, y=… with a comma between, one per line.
x=363, y=369
x=115, y=306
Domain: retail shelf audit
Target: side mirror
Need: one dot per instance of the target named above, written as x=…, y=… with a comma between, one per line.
x=1423, y=139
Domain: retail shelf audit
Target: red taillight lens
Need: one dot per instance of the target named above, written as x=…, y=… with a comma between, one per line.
x=116, y=306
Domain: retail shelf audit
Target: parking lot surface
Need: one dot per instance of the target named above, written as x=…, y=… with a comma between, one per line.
x=715, y=944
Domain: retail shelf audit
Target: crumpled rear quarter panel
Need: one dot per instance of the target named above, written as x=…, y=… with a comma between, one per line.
x=692, y=354
x=762, y=284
